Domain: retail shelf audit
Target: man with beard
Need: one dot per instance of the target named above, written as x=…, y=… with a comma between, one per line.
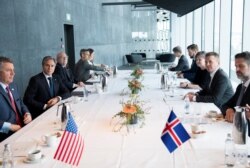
x=242, y=94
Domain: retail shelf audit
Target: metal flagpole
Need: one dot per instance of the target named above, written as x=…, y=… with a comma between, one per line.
x=173, y=160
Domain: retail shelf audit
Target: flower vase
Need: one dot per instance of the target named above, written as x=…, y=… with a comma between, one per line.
x=132, y=119
x=134, y=91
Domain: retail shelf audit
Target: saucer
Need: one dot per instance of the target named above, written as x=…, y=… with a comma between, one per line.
x=27, y=160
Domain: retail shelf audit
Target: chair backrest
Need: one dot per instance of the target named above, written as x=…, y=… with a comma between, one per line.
x=167, y=57
x=129, y=58
x=144, y=56
x=134, y=58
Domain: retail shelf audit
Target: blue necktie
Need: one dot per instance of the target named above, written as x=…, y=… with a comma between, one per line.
x=51, y=87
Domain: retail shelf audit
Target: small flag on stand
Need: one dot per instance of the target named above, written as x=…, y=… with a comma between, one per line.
x=71, y=146
x=174, y=134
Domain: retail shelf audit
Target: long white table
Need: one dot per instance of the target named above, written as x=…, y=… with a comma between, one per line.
x=141, y=147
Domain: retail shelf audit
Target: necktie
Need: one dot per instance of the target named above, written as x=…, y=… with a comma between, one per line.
x=242, y=91
x=18, y=120
x=51, y=87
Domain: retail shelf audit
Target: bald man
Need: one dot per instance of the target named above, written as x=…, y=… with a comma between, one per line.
x=65, y=73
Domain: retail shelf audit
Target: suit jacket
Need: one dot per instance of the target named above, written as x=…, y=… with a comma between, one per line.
x=201, y=78
x=37, y=93
x=219, y=92
x=7, y=113
x=190, y=74
x=182, y=64
x=231, y=103
x=66, y=76
x=82, y=70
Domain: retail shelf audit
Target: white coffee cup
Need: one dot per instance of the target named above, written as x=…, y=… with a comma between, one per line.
x=50, y=139
x=34, y=154
x=195, y=128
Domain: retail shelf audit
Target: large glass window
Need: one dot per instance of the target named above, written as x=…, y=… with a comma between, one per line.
x=197, y=27
x=209, y=26
x=246, y=28
x=189, y=25
x=225, y=24
x=216, y=25
x=236, y=33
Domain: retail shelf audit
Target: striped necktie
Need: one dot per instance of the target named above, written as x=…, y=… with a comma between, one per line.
x=18, y=118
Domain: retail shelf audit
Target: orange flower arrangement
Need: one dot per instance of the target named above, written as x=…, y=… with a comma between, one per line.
x=135, y=86
x=133, y=111
x=129, y=109
x=137, y=72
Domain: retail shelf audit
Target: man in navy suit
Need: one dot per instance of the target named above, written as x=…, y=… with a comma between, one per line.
x=218, y=89
x=183, y=64
x=242, y=65
x=13, y=113
x=44, y=89
x=65, y=73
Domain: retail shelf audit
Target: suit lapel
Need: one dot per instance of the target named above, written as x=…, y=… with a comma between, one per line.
x=3, y=92
x=214, y=78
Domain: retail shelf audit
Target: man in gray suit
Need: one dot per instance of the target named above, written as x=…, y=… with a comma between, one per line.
x=218, y=89
x=84, y=66
x=13, y=113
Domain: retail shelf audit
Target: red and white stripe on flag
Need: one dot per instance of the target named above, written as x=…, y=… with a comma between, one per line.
x=70, y=149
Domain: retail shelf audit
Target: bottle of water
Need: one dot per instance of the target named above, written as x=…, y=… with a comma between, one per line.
x=85, y=93
x=187, y=105
x=229, y=151
x=8, y=161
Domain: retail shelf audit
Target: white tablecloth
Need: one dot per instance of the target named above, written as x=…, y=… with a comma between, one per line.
x=141, y=147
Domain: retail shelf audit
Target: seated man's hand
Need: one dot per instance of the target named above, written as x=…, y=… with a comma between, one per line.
x=180, y=75
x=52, y=101
x=229, y=115
x=190, y=95
x=183, y=84
x=15, y=127
x=80, y=84
x=248, y=111
x=27, y=118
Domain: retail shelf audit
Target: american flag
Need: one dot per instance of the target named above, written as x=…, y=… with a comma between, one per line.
x=174, y=134
x=71, y=145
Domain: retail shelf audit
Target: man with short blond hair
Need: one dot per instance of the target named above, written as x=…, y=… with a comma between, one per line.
x=218, y=89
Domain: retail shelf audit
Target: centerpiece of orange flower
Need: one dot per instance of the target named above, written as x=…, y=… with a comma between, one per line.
x=135, y=86
x=137, y=72
x=133, y=112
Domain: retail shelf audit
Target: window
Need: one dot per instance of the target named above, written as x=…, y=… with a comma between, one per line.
x=236, y=34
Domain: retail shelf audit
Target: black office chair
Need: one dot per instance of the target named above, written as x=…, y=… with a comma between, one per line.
x=134, y=58
x=167, y=59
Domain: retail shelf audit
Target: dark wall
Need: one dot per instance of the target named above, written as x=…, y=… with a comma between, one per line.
x=32, y=29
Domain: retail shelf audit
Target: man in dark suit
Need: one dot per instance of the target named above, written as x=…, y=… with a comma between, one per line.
x=84, y=66
x=219, y=88
x=182, y=63
x=65, y=73
x=13, y=113
x=242, y=94
x=190, y=73
x=44, y=89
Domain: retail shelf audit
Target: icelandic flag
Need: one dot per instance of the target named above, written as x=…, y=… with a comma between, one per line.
x=174, y=134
